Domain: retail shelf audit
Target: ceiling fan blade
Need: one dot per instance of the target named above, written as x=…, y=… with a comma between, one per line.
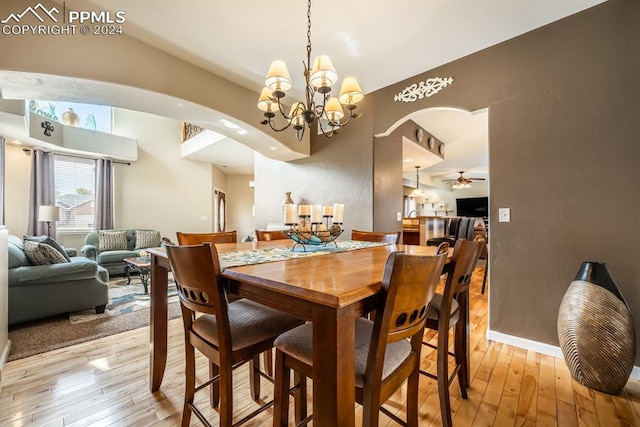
x=477, y=179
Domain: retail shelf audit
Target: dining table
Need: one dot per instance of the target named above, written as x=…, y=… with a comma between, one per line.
x=330, y=287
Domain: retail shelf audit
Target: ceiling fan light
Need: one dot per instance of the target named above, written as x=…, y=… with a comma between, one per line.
x=350, y=92
x=323, y=74
x=278, y=77
x=266, y=102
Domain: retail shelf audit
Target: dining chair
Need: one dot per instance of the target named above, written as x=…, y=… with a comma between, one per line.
x=376, y=236
x=267, y=236
x=200, y=238
x=387, y=349
x=227, y=334
x=451, y=309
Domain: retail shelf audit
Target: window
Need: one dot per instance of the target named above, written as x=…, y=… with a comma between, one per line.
x=75, y=183
x=89, y=116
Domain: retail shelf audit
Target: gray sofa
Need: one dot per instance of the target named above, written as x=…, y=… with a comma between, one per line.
x=37, y=291
x=112, y=260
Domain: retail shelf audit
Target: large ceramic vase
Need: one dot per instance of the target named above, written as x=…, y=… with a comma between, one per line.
x=596, y=331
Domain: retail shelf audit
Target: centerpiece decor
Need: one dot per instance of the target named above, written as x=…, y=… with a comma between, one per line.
x=313, y=225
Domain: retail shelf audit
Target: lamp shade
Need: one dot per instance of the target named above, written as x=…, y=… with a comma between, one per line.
x=323, y=73
x=333, y=110
x=48, y=213
x=266, y=102
x=350, y=92
x=278, y=77
x=296, y=114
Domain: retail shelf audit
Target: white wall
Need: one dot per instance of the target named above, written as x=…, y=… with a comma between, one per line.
x=17, y=168
x=240, y=205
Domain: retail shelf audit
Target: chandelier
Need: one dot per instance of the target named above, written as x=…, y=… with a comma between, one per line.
x=319, y=80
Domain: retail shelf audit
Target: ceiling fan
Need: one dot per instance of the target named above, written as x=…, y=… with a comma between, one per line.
x=462, y=181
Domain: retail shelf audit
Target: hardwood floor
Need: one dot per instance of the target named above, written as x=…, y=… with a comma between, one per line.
x=105, y=383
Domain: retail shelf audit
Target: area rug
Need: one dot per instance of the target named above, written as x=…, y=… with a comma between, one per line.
x=43, y=335
x=123, y=298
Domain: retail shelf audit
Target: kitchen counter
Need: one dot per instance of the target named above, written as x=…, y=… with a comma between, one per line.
x=417, y=230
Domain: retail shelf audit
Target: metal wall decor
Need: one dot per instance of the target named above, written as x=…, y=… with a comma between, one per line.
x=423, y=89
x=189, y=130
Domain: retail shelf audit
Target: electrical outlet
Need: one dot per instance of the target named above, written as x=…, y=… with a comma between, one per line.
x=504, y=215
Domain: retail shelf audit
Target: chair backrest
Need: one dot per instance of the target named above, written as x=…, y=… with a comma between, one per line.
x=196, y=271
x=267, y=236
x=391, y=237
x=463, y=262
x=408, y=283
x=451, y=228
x=200, y=238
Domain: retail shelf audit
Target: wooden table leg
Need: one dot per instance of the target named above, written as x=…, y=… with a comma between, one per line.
x=334, y=367
x=158, y=323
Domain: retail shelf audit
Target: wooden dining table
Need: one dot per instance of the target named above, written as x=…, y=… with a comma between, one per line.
x=330, y=290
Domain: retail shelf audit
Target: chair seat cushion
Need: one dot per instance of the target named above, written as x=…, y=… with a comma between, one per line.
x=297, y=343
x=433, y=311
x=250, y=323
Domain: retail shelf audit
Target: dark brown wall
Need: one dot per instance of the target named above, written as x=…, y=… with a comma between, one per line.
x=564, y=130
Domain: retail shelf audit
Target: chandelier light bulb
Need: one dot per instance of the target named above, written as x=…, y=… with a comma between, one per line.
x=350, y=92
x=323, y=74
x=333, y=110
x=266, y=102
x=278, y=78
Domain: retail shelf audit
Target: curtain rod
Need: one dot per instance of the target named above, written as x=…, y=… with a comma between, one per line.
x=77, y=156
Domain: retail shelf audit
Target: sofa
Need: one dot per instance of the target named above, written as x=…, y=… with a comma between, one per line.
x=37, y=291
x=109, y=248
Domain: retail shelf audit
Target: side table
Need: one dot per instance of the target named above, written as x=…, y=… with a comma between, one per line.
x=139, y=265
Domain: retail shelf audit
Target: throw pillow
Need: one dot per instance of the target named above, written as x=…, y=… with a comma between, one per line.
x=42, y=254
x=147, y=239
x=51, y=242
x=112, y=240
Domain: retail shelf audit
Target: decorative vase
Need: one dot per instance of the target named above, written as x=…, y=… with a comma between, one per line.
x=287, y=199
x=596, y=330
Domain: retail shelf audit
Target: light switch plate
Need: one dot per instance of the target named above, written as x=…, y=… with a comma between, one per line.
x=399, y=216
x=504, y=215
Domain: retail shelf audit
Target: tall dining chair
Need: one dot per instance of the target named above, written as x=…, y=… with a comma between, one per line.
x=387, y=349
x=391, y=237
x=200, y=238
x=227, y=334
x=451, y=309
x=267, y=236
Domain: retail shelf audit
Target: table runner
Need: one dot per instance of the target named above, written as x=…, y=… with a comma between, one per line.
x=259, y=256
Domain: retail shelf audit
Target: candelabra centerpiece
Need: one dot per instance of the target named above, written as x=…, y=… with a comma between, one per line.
x=313, y=225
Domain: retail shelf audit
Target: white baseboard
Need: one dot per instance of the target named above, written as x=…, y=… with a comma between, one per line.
x=539, y=347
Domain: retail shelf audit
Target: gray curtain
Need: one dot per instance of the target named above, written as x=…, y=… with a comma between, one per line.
x=104, y=195
x=42, y=191
x=2, y=181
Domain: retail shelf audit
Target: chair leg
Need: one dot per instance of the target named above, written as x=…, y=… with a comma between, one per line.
x=412, y=397
x=443, y=377
x=268, y=362
x=300, y=397
x=190, y=383
x=484, y=276
x=214, y=398
x=226, y=394
x=254, y=377
x=281, y=392
x=461, y=344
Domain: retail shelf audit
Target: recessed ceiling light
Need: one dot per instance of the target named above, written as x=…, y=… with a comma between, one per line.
x=232, y=126
x=408, y=160
x=180, y=104
x=273, y=148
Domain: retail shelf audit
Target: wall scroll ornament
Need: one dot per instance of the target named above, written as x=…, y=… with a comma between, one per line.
x=190, y=130
x=426, y=88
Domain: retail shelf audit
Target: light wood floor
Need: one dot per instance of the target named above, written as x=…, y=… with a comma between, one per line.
x=105, y=383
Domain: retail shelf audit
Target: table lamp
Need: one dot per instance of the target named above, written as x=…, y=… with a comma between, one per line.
x=49, y=214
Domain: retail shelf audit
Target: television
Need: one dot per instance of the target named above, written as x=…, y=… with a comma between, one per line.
x=473, y=207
